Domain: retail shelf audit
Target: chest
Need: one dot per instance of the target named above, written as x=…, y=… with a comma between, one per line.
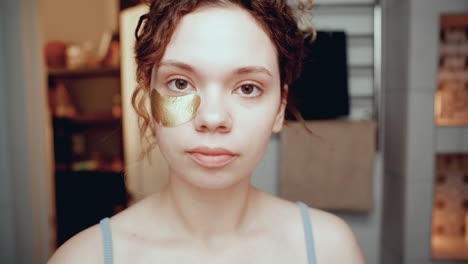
x=269, y=251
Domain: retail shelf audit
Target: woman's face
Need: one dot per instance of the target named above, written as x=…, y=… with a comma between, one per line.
x=226, y=58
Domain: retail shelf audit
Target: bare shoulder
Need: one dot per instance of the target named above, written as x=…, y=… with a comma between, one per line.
x=334, y=240
x=84, y=247
x=335, y=235
x=87, y=246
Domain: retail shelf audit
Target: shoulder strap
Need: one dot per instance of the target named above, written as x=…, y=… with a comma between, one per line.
x=107, y=240
x=308, y=232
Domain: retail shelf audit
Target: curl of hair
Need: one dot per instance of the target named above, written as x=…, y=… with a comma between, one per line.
x=156, y=27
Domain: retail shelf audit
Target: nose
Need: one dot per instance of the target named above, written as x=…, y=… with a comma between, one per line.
x=213, y=115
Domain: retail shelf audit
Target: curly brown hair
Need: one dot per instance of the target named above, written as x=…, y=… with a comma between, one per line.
x=155, y=29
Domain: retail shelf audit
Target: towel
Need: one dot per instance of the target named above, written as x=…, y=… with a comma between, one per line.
x=332, y=169
x=324, y=65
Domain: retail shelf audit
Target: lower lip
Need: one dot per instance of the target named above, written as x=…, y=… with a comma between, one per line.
x=211, y=161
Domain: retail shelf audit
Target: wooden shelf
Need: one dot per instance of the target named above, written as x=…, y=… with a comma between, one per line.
x=92, y=166
x=90, y=119
x=93, y=171
x=84, y=72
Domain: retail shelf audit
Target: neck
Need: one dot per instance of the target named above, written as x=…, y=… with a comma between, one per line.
x=207, y=214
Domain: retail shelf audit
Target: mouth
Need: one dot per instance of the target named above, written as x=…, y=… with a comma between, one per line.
x=212, y=157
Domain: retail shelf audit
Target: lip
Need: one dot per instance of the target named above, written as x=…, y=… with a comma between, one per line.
x=212, y=157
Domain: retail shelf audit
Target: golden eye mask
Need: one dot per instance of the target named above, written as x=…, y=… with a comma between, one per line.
x=172, y=111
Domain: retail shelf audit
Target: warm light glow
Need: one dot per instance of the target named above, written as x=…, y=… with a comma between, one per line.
x=143, y=177
x=450, y=216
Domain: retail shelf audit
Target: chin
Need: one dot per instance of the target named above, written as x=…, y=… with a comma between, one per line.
x=213, y=179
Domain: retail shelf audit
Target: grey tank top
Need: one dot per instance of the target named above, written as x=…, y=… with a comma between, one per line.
x=309, y=238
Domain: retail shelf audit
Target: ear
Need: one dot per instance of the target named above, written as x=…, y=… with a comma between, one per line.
x=279, y=119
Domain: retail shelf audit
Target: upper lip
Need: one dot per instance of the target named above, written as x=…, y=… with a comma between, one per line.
x=212, y=151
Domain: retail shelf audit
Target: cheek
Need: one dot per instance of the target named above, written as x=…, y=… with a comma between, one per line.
x=255, y=145
x=255, y=128
x=260, y=116
x=168, y=140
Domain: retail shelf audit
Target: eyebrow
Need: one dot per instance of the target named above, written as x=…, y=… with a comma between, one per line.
x=238, y=71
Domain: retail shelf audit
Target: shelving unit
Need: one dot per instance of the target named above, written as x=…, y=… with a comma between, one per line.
x=88, y=146
x=90, y=119
x=85, y=72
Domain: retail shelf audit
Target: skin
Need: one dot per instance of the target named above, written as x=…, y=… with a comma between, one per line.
x=215, y=215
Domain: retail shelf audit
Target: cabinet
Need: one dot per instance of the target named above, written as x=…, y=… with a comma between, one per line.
x=88, y=148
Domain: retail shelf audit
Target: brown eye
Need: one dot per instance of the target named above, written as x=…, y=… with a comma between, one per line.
x=247, y=89
x=180, y=84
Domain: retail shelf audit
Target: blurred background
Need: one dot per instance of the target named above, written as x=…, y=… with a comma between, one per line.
x=385, y=86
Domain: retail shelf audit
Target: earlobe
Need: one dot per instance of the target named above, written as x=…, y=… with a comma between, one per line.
x=279, y=120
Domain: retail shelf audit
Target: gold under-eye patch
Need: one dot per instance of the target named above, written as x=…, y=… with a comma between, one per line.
x=172, y=111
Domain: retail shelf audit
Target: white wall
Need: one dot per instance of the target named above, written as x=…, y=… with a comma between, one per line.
x=424, y=139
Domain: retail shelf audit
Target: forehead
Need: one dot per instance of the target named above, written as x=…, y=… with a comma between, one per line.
x=221, y=38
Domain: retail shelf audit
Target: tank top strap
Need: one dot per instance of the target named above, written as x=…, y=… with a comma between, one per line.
x=308, y=232
x=107, y=240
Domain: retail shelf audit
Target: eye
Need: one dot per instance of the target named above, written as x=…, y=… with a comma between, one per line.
x=249, y=90
x=179, y=85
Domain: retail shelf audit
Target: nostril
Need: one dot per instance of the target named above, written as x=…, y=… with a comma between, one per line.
x=223, y=128
x=213, y=117
x=205, y=128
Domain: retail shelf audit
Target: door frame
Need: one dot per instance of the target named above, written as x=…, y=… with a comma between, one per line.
x=26, y=152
